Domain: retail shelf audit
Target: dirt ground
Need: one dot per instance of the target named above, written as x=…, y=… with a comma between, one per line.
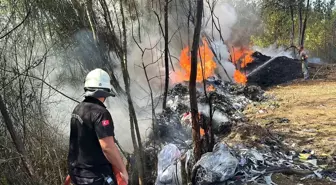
x=303, y=114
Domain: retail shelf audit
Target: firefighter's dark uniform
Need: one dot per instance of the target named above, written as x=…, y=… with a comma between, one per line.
x=87, y=163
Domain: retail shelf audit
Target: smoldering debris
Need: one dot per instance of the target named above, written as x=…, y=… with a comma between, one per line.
x=173, y=125
x=281, y=70
x=228, y=101
x=238, y=164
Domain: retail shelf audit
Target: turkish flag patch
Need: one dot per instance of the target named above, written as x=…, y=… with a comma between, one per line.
x=105, y=122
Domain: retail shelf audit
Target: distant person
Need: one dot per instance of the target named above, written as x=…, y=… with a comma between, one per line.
x=92, y=150
x=304, y=61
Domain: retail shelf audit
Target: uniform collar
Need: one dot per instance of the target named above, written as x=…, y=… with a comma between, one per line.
x=94, y=100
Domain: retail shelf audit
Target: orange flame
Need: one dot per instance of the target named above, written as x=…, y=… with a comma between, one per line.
x=202, y=132
x=205, y=56
x=241, y=55
x=239, y=77
x=211, y=88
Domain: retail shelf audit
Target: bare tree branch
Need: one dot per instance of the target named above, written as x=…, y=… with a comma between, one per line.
x=17, y=26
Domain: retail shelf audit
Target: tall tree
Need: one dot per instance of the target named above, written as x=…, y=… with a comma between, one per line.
x=137, y=144
x=293, y=26
x=303, y=31
x=166, y=53
x=192, y=82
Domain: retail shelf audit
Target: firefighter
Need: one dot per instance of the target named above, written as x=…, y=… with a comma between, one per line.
x=304, y=61
x=92, y=150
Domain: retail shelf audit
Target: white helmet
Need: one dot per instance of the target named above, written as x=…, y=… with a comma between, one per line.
x=98, y=79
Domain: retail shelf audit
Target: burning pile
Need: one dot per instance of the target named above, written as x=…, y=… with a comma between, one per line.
x=206, y=65
x=241, y=57
x=173, y=128
x=239, y=164
x=245, y=60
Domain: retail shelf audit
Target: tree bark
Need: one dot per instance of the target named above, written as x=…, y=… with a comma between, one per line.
x=166, y=58
x=192, y=82
x=16, y=139
x=133, y=120
x=90, y=17
x=211, y=133
x=300, y=20
x=293, y=27
x=304, y=24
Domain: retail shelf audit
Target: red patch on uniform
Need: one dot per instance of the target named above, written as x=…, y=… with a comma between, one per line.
x=105, y=122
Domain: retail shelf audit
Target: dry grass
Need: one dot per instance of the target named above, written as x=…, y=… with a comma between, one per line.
x=311, y=108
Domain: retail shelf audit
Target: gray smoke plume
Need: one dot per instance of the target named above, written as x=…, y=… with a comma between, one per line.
x=230, y=23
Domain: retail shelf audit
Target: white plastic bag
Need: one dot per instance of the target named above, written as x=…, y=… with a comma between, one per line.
x=169, y=166
x=216, y=166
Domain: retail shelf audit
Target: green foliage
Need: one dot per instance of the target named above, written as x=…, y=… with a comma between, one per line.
x=320, y=33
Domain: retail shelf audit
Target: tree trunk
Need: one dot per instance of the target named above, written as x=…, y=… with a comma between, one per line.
x=90, y=17
x=304, y=24
x=293, y=28
x=152, y=102
x=133, y=120
x=166, y=55
x=211, y=133
x=112, y=41
x=192, y=82
x=15, y=137
x=300, y=21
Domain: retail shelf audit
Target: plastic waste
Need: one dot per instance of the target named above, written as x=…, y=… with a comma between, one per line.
x=216, y=166
x=255, y=156
x=186, y=119
x=173, y=104
x=187, y=122
x=169, y=166
x=268, y=180
x=188, y=155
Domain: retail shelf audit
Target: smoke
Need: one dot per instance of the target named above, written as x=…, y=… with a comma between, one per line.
x=219, y=24
x=231, y=22
x=315, y=60
x=226, y=68
x=273, y=51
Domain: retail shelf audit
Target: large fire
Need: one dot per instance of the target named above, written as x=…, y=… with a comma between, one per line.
x=205, y=56
x=239, y=77
x=241, y=56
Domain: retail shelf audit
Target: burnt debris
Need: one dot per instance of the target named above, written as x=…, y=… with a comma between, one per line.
x=226, y=164
x=228, y=101
x=280, y=70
